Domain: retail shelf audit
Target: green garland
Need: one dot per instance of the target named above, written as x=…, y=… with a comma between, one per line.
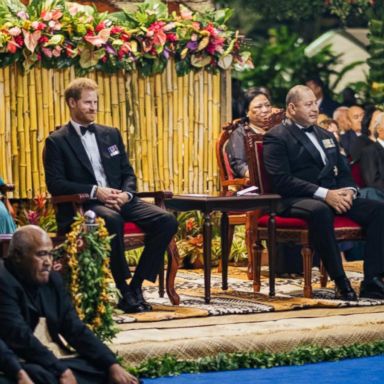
x=89, y=275
x=170, y=366
x=60, y=34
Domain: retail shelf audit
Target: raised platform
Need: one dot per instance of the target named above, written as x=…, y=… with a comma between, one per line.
x=276, y=331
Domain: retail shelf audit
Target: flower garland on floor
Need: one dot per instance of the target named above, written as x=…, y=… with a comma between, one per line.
x=59, y=34
x=89, y=276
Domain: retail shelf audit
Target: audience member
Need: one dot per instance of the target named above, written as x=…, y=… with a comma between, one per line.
x=29, y=292
x=372, y=157
x=342, y=118
x=324, y=101
x=355, y=114
x=306, y=168
x=7, y=225
x=88, y=158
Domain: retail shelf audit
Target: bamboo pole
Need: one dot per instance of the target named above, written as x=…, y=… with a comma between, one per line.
x=149, y=130
x=20, y=160
x=141, y=134
x=170, y=126
x=114, y=90
x=27, y=140
x=216, y=113
x=40, y=125
x=209, y=125
x=122, y=108
x=2, y=126
x=164, y=99
x=33, y=135
x=8, y=175
x=160, y=133
x=107, y=100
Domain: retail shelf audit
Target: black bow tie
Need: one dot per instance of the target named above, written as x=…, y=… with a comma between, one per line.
x=308, y=129
x=90, y=128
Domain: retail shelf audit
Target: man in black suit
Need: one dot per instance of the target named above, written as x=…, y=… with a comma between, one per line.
x=349, y=139
x=84, y=157
x=12, y=368
x=325, y=103
x=306, y=168
x=30, y=291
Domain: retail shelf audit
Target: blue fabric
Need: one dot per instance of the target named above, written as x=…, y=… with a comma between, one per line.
x=7, y=225
x=350, y=371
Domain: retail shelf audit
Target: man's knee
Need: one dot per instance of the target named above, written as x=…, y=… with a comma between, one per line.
x=320, y=213
x=169, y=223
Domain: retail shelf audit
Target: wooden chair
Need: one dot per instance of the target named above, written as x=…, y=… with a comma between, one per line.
x=134, y=237
x=289, y=230
x=229, y=181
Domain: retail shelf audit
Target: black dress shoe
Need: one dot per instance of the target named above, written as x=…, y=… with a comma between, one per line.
x=129, y=303
x=344, y=290
x=140, y=299
x=373, y=289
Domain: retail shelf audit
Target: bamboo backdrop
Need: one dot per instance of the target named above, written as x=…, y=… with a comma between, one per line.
x=169, y=125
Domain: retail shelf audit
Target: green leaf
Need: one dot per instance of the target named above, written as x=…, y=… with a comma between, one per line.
x=89, y=57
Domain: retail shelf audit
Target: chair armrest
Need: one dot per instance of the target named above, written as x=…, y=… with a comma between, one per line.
x=7, y=188
x=78, y=198
x=245, y=182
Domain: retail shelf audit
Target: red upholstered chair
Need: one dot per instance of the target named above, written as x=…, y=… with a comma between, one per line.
x=356, y=174
x=290, y=230
x=228, y=181
x=134, y=237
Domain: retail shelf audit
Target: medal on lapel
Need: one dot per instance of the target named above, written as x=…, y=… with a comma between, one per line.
x=328, y=143
x=335, y=170
x=113, y=150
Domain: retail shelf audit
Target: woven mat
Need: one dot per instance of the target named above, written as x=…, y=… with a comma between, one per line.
x=239, y=298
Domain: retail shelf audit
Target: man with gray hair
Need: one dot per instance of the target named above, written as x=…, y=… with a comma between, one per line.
x=32, y=294
x=341, y=117
x=306, y=168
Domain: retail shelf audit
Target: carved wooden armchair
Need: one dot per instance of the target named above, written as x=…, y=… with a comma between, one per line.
x=227, y=181
x=134, y=237
x=290, y=230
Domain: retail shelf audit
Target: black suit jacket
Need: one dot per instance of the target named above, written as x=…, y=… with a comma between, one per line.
x=295, y=165
x=372, y=166
x=68, y=169
x=19, y=316
x=9, y=363
x=348, y=141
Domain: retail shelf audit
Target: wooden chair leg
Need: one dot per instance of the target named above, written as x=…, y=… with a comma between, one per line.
x=161, y=280
x=307, y=255
x=323, y=275
x=231, y=231
x=257, y=252
x=173, y=266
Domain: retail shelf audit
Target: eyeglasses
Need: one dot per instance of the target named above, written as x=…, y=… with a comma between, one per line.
x=44, y=254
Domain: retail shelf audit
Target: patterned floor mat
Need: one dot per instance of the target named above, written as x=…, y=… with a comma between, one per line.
x=239, y=298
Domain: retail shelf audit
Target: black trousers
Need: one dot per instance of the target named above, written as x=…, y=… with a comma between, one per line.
x=158, y=225
x=319, y=215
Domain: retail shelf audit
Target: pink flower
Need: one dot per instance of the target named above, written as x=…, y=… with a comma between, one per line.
x=47, y=52
x=46, y=15
x=23, y=15
x=99, y=39
x=31, y=39
x=12, y=46
x=14, y=31
x=115, y=30
x=57, y=51
x=32, y=217
x=56, y=14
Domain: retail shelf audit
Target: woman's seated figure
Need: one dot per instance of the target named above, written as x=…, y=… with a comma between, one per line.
x=7, y=225
x=259, y=113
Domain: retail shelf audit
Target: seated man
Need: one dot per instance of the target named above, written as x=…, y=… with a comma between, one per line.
x=31, y=291
x=10, y=365
x=306, y=168
x=84, y=157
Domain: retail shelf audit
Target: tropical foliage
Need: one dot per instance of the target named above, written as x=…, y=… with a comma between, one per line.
x=59, y=34
x=86, y=254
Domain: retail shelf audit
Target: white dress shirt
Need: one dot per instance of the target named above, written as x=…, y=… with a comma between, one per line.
x=92, y=149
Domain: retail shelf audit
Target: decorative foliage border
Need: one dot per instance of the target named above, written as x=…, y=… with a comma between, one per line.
x=89, y=276
x=169, y=365
x=59, y=34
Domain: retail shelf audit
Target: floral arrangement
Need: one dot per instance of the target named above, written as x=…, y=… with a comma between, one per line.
x=40, y=213
x=89, y=276
x=59, y=34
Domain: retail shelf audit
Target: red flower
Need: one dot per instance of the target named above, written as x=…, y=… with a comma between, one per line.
x=100, y=26
x=171, y=37
x=43, y=39
x=19, y=40
x=115, y=30
x=190, y=224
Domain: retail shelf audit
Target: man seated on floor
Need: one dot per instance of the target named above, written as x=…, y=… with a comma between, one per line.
x=306, y=168
x=11, y=367
x=31, y=293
